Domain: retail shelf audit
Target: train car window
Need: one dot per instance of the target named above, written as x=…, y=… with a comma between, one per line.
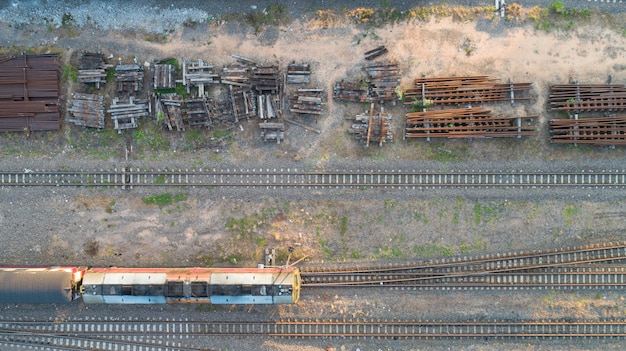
x=199, y=289
x=127, y=289
x=175, y=289
x=246, y=289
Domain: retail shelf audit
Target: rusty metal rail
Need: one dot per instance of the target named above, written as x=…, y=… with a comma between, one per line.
x=597, y=131
x=464, y=90
x=465, y=123
x=587, y=97
x=29, y=93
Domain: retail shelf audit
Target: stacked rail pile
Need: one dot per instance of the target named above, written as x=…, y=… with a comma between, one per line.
x=306, y=102
x=464, y=123
x=376, y=52
x=298, y=73
x=371, y=127
x=129, y=77
x=464, y=90
x=272, y=131
x=236, y=75
x=265, y=79
x=87, y=110
x=197, y=112
x=598, y=98
x=29, y=93
x=384, y=79
x=589, y=97
x=350, y=91
x=164, y=76
x=198, y=73
x=169, y=111
x=598, y=131
x=125, y=113
x=91, y=69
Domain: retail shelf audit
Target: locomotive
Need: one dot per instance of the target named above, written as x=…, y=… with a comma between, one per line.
x=63, y=284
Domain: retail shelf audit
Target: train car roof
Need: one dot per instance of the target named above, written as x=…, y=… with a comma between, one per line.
x=23, y=286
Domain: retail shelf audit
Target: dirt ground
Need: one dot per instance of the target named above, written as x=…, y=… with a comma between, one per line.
x=207, y=227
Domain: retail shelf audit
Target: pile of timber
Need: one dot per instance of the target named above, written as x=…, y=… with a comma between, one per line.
x=125, y=113
x=29, y=93
x=596, y=131
x=587, y=97
x=374, y=53
x=350, y=91
x=243, y=102
x=168, y=109
x=464, y=123
x=272, y=131
x=464, y=90
x=384, y=79
x=129, y=77
x=91, y=69
x=164, y=76
x=87, y=110
x=267, y=106
x=237, y=75
x=370, y=127
x=307, y=102
x=298, y=73
x=265, y=79
x=197, y=112
x=198, y=73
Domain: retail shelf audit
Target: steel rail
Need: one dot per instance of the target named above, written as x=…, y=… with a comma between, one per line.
x=89, y=342
x=273, y=178
x=555, y=279
x=412, y=329
x=482, y=263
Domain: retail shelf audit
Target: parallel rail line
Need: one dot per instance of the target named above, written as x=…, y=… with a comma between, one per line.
x=385, y=329
x=292, y=177
x=516, y=260
x=570, y=268
x=564, y=278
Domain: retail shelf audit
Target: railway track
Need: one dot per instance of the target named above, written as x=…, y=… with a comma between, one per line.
x=570, y=268
x=292, y=177
x=181, y=335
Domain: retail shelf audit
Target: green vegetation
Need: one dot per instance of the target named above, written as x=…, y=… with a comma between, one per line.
x=484, y=213
x=569, y=213
x=273, y=15
x=98, y=144
x=67, y=20
x=149, y=136
x=163, y=200
x=343, y=228
x=180, y=90
x=70, y=74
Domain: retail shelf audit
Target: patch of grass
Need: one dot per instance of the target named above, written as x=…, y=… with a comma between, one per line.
x=432, y=250
x=160, y=179
x=67, y=20
x=221, y=133
x=484, y=212
x=149, y=136
x=273, y=15
x=179, y=90
x=92, y=247
x=343, y=227
x=389, y=252
x=570, y=212
x=421, y=217
x=70, y=74
x=165, y=199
